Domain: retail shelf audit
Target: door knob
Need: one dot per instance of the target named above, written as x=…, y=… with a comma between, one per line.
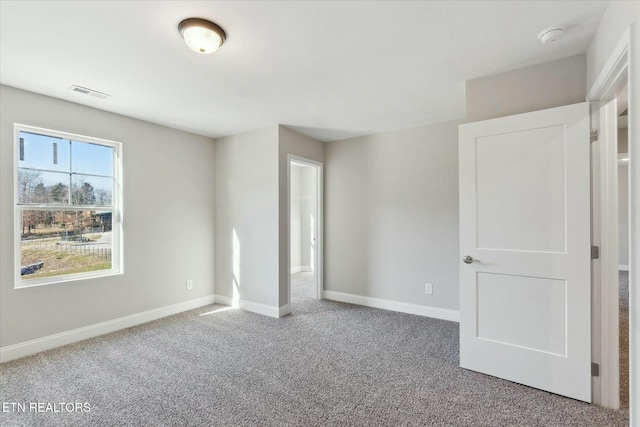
x=467, y=259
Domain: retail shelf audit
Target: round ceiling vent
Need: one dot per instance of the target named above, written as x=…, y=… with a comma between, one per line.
x=551, y=34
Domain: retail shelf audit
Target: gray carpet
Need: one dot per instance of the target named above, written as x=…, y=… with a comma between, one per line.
x=328, y=364
x=624, y=338
x=303, y=291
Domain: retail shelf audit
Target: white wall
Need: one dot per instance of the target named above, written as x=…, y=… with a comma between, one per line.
x=623, y=214
x=538, y=87
x=296, y=218
x=168, y=232
x=290, y=142
x=247, y=205
x=623, y=203
x=391, y=215
x=308, y=218
x=616, y=19
x=303, y=217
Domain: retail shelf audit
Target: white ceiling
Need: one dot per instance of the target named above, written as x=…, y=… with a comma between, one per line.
x=330, y=69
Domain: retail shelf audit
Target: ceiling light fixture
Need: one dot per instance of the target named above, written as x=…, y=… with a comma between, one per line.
x=550, y=34
x=201, y=36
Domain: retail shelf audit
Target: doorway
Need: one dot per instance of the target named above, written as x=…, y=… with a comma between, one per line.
x=615, y=85
x=305, y=231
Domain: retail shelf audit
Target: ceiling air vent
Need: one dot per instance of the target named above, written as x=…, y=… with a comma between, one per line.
x=87, y=91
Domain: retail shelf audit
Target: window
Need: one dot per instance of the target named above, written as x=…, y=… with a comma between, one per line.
x=68, y=207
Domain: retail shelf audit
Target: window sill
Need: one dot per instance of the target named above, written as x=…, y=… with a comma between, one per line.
x=30, y=283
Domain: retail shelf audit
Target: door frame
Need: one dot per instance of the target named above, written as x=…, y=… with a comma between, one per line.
x=319, y=231
x=622, y=67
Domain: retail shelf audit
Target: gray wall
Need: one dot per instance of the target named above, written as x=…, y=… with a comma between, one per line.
x=247, y=204
x=547, y=85
x=392, y=199
x=251, y=201
x=168, y=233
x=392, y=215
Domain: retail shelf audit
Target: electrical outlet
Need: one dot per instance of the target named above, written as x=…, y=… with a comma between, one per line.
x=189, y=285
x=428, y=288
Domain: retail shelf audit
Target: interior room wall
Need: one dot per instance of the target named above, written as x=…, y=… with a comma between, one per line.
x=623, y=201
x=296, y=218
x=168, y=233
x=391, y=214
x=392, y=199
x=290, y=142
x=308, y=218
x=303, y=217
x=538, y=87
x=247, y=211
x=615, y=20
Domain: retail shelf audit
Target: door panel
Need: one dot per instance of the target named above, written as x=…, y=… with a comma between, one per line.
x=507, y=307
x=531, y=175
x=525, y=222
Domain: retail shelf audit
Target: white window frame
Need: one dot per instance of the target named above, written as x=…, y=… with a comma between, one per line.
x=116, y=207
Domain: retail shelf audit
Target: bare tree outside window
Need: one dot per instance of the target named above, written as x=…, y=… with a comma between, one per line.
x=65, y=199
x=27, y=182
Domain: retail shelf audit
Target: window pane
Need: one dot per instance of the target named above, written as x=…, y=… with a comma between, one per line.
x=91, y=190
x=91, y=158
x=43, y=187
x=66, y=203
x=43, y=152
x=55, y=243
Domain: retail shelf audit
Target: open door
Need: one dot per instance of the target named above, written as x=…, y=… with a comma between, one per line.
x=525, y=249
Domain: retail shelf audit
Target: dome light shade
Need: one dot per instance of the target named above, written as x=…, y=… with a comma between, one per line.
x=201, y=36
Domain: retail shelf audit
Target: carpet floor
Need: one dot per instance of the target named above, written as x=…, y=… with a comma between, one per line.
x=327, y=364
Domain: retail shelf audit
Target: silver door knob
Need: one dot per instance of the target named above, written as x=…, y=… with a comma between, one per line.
x=467, y=259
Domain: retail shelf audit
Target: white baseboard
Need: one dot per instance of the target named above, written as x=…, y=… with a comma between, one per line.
x=301, y=268
x=296, y=269
x=255, y=307
x=265, y=310
x=284, y=310
x=403, y=307
x=623, y=267
x=27, y=348
x=224, y=300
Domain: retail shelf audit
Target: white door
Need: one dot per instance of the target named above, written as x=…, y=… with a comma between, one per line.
x=525, y=232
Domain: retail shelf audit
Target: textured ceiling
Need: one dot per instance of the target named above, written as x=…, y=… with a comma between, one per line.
x=330, y=69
